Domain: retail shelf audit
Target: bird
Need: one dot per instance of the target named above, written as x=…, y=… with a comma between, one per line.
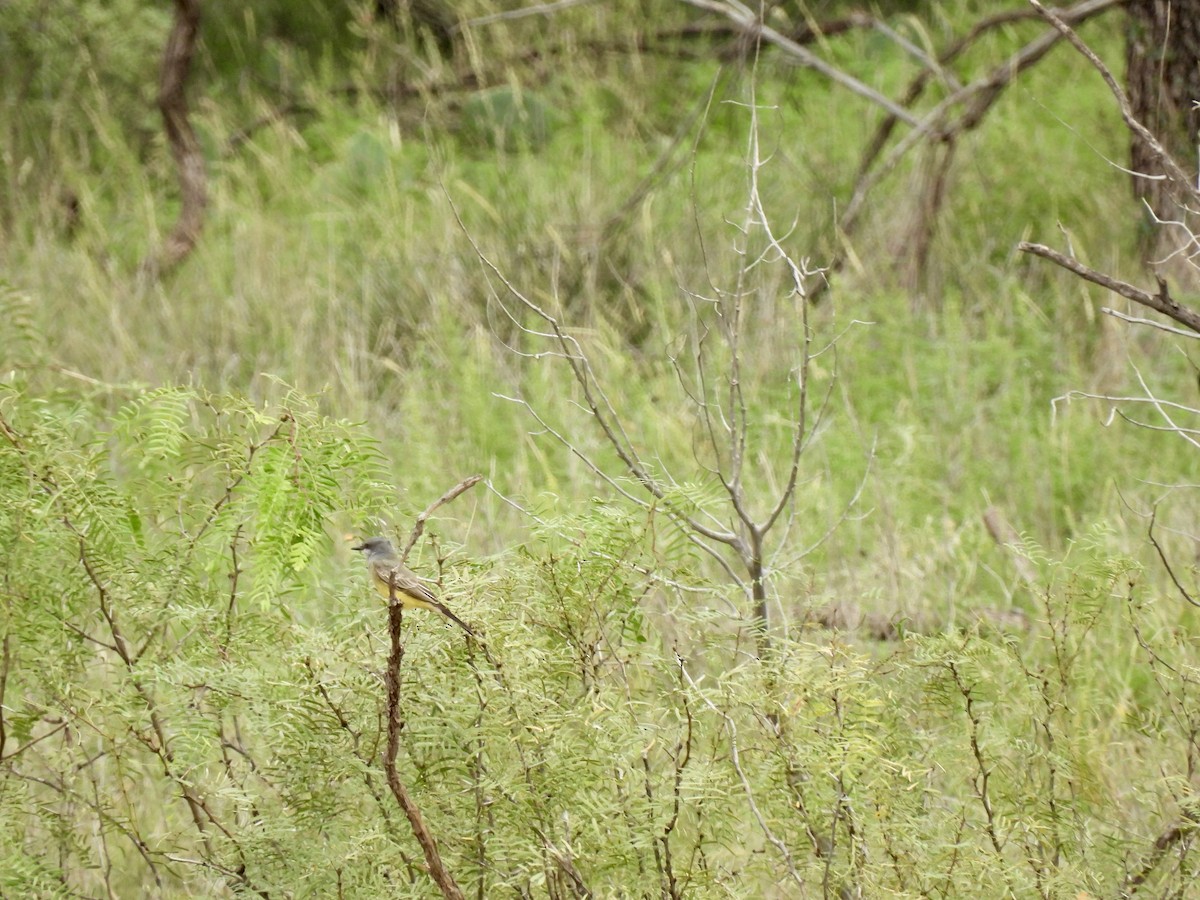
x=395, y=582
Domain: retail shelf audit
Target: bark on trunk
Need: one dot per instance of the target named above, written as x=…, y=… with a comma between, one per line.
x=185, y=146
x=1163, y=82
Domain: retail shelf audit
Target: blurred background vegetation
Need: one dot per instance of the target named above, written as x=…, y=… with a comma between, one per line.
x=597, y=153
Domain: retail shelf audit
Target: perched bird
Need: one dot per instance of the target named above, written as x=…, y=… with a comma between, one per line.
x=398, y=584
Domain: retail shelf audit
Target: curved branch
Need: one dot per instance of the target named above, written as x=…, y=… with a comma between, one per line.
x=465, y=485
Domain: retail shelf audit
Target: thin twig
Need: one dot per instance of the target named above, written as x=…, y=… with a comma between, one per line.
x=1162, y=555
x=1135, y=320
x=419, y=527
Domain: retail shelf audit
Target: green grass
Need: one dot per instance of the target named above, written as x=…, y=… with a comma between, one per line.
x=332, y=264
x=331, y=260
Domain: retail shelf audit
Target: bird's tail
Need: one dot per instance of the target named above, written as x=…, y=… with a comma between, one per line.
x=453, y=618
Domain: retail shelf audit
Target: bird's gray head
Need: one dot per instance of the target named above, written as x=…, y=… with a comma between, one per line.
x=376, y=546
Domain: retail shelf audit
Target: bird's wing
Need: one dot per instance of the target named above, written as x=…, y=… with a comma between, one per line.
x=408, y=583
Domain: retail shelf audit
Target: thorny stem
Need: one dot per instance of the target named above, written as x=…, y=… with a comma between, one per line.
x=983, y=771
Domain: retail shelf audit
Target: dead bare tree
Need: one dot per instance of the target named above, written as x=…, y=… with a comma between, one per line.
x=747, y=532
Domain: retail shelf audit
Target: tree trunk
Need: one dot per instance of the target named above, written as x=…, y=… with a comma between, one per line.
x=185, y=145
x=1163, y=80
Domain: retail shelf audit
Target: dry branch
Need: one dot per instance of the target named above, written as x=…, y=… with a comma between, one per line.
x=937, y=125
x=1173, y=170
x=1162, y=556
x=1161, y=302
x=419, y=528
x=749, y=23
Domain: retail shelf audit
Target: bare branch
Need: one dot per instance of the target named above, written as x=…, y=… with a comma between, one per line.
x=598, y=403
x=419, y=527
x=1162, y=555
x=1162, y=406
x=984, y=91
x=653, y=575
x=833, y=526
x=1170, y=166
x=749, y=23
x=1161, y=302
x=1135, y=320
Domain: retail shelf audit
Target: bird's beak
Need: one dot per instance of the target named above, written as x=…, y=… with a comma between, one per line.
x=359, y=547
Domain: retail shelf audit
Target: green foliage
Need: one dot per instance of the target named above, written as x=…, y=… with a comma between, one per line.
x=191, y=686
x=191, y=675
x=507, y=119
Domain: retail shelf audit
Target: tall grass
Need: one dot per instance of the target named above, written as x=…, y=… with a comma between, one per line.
x=331, y=260
x=333, y=263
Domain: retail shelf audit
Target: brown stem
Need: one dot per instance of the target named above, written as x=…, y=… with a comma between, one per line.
x=983, y=772
x=395, y=724
x=1162, y=555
